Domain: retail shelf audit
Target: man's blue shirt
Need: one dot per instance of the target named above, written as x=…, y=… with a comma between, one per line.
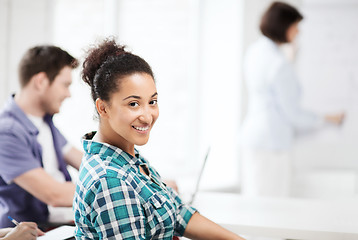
x=20, y=152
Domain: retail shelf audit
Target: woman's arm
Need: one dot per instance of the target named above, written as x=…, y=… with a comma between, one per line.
x=201, y=228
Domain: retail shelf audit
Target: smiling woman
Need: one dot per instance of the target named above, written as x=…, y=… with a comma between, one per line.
x=119, y=194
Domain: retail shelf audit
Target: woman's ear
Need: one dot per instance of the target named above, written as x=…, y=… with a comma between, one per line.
x=101, y=107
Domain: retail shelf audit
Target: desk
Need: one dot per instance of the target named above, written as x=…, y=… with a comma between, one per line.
x=306, y=219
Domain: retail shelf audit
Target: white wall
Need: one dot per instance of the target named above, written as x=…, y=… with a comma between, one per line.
x=23, y=24
x=4, y=25
x=77, y=24
x=329, y=79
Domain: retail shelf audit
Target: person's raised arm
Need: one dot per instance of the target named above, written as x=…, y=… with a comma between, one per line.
x=44, y=187
x=201, y=228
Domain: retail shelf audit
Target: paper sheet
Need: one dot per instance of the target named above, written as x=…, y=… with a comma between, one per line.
x=59, y=233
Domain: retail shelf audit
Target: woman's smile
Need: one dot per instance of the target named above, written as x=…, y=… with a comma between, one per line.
x=143, y=129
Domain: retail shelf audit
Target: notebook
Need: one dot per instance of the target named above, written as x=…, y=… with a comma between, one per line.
x=60, y=233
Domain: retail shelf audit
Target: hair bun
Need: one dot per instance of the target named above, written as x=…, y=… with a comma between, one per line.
x=97, y=55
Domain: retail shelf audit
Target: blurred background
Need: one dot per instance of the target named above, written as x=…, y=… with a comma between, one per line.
x=195, y=48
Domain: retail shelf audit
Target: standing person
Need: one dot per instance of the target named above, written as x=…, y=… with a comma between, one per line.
x=119, y=195
x=274, y=114
x=34, y=154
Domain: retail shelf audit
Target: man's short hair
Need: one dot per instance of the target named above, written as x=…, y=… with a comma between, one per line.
x=277, y=19
x=44, y=58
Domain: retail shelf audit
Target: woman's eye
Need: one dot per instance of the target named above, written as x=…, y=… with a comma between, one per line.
x=133, y=104
x=153, y=102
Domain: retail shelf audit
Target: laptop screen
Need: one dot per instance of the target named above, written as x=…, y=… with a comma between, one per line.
x=199, y=177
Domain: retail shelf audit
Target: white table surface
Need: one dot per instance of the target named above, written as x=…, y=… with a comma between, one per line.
x=305, y=219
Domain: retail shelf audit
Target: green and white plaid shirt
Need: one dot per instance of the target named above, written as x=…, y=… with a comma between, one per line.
x=114, y=200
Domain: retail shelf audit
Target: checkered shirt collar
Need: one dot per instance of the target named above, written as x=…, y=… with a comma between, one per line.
x=93, y=147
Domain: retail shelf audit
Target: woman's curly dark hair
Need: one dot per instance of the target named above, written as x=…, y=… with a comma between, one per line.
x=106, y=64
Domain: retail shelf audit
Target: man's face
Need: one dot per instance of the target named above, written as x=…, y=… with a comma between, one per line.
x=56, y=92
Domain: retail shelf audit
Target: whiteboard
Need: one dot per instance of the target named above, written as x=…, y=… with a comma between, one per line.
x=327, y=65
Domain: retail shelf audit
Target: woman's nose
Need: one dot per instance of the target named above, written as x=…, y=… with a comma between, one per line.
x=146, y=116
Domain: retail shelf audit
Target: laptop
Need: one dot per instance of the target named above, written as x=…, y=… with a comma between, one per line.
x=199, y=178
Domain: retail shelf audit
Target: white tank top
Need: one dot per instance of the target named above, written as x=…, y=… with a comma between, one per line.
x=45, y=139
x=51, y=166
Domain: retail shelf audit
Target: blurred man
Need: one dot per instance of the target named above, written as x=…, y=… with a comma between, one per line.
x=34, y=154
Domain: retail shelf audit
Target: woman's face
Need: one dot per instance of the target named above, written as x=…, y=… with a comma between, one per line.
x=292, y=32
x=132, y=111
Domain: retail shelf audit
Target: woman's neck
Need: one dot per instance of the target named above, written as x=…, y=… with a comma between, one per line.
x=106, y=134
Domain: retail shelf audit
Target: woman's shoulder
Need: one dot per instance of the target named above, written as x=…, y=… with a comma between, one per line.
x=264, y=50
x=95, y=167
